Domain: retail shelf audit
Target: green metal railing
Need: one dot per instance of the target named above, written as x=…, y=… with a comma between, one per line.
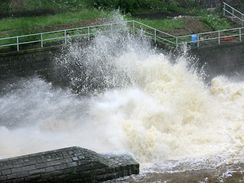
x=45, y=39
x=233, y=13
x=214, y=38
x=155, y=34
x=54, y=37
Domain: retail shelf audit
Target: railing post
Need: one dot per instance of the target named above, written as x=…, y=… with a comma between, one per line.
x=218, y=37
x=233, y=14
x=242, y=20
x=198, y=40
x=240, y=34
x=17, y=43
x=65, y=36
x=88, y=33
x=155, y=35
x=111, y=27
x=133, y=27
x=41, y=40
x=224, y=10
x=176, y=42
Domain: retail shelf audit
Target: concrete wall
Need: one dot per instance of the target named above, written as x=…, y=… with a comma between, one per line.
x=27, y=63
x=222, y=60
x=226, y=59
x=66, y=165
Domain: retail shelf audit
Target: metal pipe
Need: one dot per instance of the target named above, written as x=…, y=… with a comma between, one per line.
x=41, y=41
x=219, y=38
x=65, y=37
x=240, y=34
x=155, y=35
x=17, y=43
x=88, y=32
x=224, y=10
x=133, y=27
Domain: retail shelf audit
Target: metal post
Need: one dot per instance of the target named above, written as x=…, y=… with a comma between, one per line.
x=233, y=14
x=41, y=40
x=155, y=35
x=65, y=36
x=224, y=10
x=111, y=27
x=176, y=42
x=240, y=34
x=218, y=37
x=198, y=40
x=17, y=43
x=88, y=33
x=133, y=27
x=242, y=20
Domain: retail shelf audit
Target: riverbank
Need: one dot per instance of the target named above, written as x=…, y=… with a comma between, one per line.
x=177, y=22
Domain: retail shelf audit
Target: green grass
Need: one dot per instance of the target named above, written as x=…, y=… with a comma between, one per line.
x=161, y=24
x=164, y=24
x=36, y=24
x=79, y=10
x=215, y=22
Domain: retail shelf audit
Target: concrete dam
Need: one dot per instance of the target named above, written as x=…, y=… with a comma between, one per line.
x=119, y=94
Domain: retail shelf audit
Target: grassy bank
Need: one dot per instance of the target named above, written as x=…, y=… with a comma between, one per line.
x=164, y=24
x=23, y=25
x=75, y=13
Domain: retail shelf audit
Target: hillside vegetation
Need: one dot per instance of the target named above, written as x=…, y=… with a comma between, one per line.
x=28, y=16
x=13, y=7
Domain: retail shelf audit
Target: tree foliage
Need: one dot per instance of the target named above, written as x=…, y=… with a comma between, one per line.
x=132, y=5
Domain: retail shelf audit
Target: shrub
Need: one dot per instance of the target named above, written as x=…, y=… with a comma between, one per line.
x=215, y=22
x=133, y=5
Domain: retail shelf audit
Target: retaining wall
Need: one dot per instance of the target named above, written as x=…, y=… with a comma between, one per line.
x=219, y=60
x=222, y=60
x=28, y=63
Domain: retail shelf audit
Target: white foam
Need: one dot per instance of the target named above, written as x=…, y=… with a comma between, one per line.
x=165, y=111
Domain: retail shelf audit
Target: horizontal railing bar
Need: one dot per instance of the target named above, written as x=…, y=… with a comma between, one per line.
x=28, y=35
x=149, y=33
x=157, y=34
x=59, y=31
x=235, y=15
x=235, y=11
x=153, y=28
x=166, y=40
x=171, y=43
x=55, y=38
x=213, y=38
x=78, y=35
x=222, y=36
x=209, y=39
x=212, y=32
x=29, y=42
x=13, y=44
x=15, y=37
x=233, y=8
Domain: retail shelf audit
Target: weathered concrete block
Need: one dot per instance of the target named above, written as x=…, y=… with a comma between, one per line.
x=72, y=164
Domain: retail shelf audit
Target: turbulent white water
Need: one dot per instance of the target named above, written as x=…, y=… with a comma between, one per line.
x=139, y=103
